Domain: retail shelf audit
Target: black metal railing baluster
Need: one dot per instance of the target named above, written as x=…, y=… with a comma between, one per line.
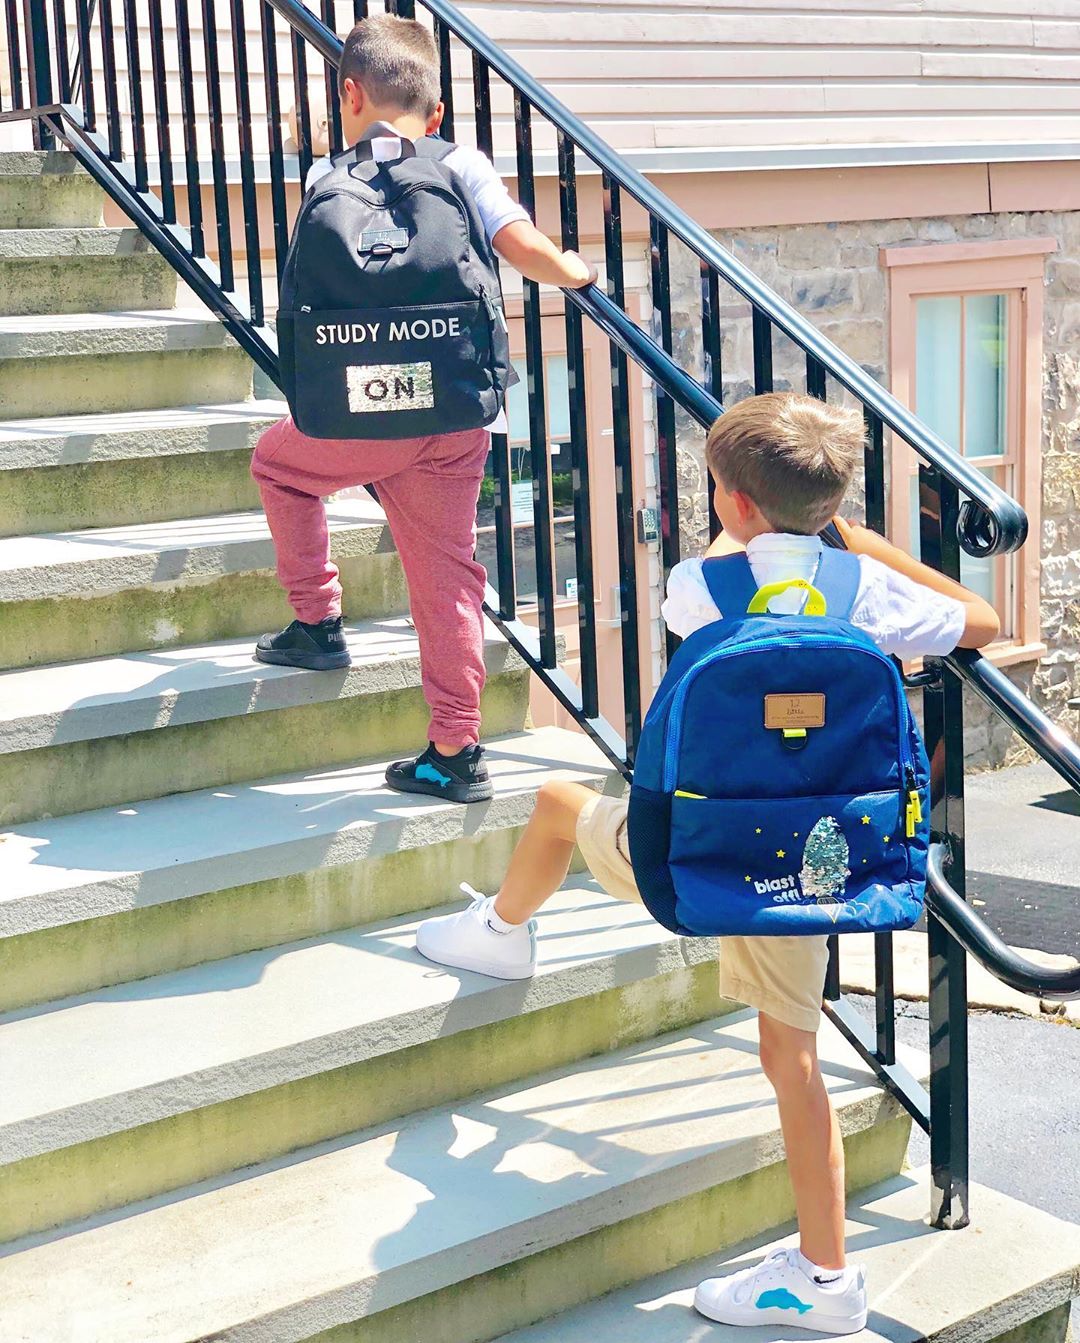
x=360, y=10
x=278, y=202
x=303, y=107
x=666, y=447
x=624, y=474
x=161, y=111
x=108, y=61
x=815, y=378
x=39, y=77
x=712, y=344
x=874, y=514
x=446, y=78
x=60, y=43
x=579, y=443
x=190, y=123
x=252, y=243
x=222, y=213
x=943, y=726
x=763, y=352
x=15, y=69
x=333, y=106
x=500, y=444
x=874, y=473
x=82, y=75
x=543, y=533
x=135, y=94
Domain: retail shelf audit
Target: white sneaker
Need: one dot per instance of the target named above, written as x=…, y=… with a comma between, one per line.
x=780, y=1291
x=468, y=941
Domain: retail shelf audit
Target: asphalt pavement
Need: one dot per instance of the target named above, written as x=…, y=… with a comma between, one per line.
x=1023, y=856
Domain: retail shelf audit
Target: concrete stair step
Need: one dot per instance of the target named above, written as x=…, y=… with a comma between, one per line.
x=102, y=897
x=111, y=470
x=54, y=270
x=459, y=1221
x=74, y=595
x=1010, y=1274
x=82, y=735
x=68, y=363
x=47, y=190
x=138, y=1090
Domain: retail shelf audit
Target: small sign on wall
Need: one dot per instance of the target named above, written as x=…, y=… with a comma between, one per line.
x=521, y=501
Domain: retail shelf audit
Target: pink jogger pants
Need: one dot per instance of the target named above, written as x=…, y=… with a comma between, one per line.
x=428, y=488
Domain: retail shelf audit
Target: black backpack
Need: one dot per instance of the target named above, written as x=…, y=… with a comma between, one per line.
x=390, y=323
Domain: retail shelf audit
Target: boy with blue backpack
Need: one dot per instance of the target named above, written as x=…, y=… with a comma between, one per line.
x=395, y=361
x=780, y=793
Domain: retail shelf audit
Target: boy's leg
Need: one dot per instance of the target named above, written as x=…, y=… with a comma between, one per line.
x=294, y=473
x=810, y=1287
x=541, y=860
x=431, y=508
x=815, y=1152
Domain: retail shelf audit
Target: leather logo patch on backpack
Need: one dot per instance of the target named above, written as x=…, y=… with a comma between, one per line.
x=385, y=387
x=794, y=711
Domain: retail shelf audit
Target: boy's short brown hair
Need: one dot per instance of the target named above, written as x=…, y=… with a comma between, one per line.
x=792, y=455
x=396, y=62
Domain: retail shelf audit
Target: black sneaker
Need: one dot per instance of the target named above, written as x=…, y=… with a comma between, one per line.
x=458, y=778
x=320, y=647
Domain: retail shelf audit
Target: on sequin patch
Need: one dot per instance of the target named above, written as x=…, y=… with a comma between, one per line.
x=385, y=387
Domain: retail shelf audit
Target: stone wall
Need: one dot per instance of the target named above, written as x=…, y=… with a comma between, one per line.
x=830, y=273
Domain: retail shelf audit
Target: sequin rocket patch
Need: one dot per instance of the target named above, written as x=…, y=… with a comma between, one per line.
x=825, y=869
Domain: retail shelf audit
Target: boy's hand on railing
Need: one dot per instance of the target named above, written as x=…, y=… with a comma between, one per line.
x=981, y=623
x=579, y=271
x=537, y=258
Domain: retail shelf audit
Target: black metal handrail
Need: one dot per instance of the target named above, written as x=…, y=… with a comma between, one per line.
x=980, y=940
x=988, y=521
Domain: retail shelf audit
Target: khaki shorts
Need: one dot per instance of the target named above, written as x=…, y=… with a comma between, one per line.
x=782, y=976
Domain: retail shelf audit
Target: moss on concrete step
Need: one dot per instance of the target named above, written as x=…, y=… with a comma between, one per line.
x=100, y=772
x=95, y=953
x=485, y=1307
x=34, y=633
x=119, y=493
x=111, y=1172
x=135, y=381
x=85, y=283
x=49, y=199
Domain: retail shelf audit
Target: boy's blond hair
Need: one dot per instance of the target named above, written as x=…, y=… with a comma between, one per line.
x=792, y=455
x=395, y=61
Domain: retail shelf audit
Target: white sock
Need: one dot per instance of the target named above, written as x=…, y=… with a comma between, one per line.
x=818, y=1274
x=497, y=924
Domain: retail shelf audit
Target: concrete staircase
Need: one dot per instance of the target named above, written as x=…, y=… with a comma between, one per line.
x=235, y=1103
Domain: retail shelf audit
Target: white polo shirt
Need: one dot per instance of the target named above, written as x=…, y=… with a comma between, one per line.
x=902, y=617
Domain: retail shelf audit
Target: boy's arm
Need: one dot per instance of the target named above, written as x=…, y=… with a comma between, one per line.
x=537, y=258
x=981, y=623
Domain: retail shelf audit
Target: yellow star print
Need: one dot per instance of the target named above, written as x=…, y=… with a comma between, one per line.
x=758, y=830
x=887, y=838
x=866, y=820
x=746, y=878
x=780, y=853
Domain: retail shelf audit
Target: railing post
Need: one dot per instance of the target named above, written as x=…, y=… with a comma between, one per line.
x=947, y=1006
x=39, y=66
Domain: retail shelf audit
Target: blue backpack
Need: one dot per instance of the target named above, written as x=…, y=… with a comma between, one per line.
x=780, y=787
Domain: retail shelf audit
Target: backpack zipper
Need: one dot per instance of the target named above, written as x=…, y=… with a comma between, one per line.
x=673, y=727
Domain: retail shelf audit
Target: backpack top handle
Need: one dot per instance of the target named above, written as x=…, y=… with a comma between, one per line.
x=815, y=604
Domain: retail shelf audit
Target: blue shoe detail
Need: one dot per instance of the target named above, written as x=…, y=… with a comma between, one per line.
x=782, y=1299
x=432, y=775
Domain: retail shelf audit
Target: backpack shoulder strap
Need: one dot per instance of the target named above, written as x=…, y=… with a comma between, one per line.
x=434, y=147
x=731, y=584
x=838, y=576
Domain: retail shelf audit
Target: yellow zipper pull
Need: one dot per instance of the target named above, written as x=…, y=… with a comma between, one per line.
x=681, y=792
